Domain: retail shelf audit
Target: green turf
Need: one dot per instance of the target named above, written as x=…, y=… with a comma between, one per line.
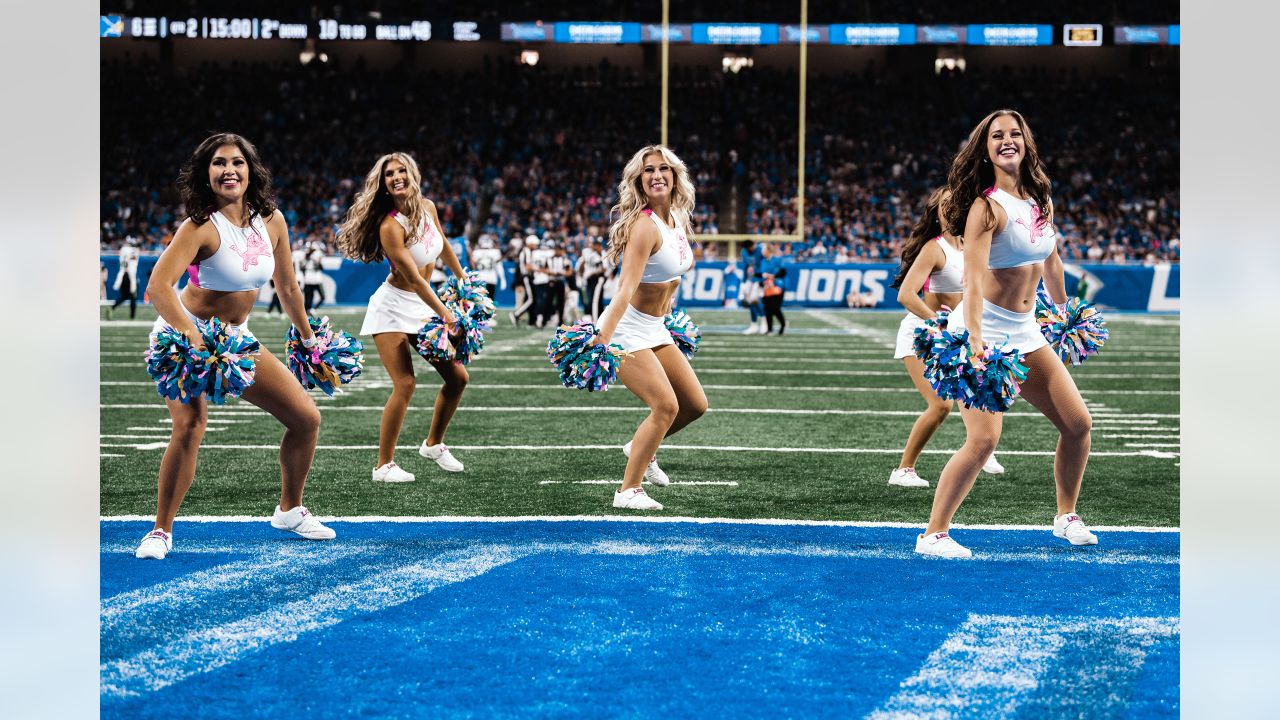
x=1132, y=388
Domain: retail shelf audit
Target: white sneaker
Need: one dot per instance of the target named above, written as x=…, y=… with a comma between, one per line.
x=941, y=545
x=440, y=453
x=1072, y=529
x=751, y=329
x=907, y=477
x=512, y=317
x=392, y=473
x=992, y=466
x=635, y=499
x=653, y=473
x=299, y=520
x=155, y=545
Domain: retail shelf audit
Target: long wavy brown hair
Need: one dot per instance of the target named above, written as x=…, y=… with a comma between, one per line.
x=631, y=198
x=358, y=236
x=928, y=227
x=972, y=174
x=193, y=180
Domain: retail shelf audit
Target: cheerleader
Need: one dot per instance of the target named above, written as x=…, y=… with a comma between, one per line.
x=649, y=238
x=391, y=219
x=932, y=263
x=232, y=241
x=1000, y=205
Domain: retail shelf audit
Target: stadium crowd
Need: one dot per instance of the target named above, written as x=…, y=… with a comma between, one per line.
x=511, y=150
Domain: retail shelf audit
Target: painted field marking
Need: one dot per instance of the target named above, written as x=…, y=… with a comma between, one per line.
x=216, y=420
x=166, y=431
x=726, y=483
x=992, y=664
x=1153, y=445
x=620, y=518
x=208, y=649
x=110, y=455
x=614, y=447
x=1154, y=435
x=215, y=412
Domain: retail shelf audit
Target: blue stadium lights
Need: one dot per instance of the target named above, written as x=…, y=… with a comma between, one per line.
x=877, y=34
x=1009, y=35
x=735, y=34
x=597, y=32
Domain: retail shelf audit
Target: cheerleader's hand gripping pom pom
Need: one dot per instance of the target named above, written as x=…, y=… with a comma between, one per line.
x=474, y=320
x=922, y=345
x=434, y=343
x=1076, y=331
x=331, y=358
x=468, y=289
x=998, y=382
x=990, y=381
x=683, y=330
x=222, y=370
x=582, y=363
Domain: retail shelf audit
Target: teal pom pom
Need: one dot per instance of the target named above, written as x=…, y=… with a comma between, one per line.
x=686, y=334
x=990, y=382
x=335, y=359
x=922, y=345
x=1076, y=332
x=468, y=289
x=223, y=370
x=583, y=364
x=436, y=344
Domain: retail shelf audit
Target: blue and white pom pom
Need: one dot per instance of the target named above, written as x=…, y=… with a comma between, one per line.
x=224, y=369
x=468, y=289
x=1076, y=332
x=922, y=345
x=583, y=364
x=436, y=344
x=334, y=357
x=683, y=330
x=990, y=382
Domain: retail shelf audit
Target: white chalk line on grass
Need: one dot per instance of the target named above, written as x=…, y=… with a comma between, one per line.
x=993, y=664
x=623, y=519
x=614, y=447
x=726, y=483
x=1110, y=416
x=208, y=649
x=791, y=388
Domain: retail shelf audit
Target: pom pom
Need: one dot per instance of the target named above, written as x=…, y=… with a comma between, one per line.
x=223, y=369
x=437, y=344
x=922, y=345
x=469, y=289
x=1076, y=333
x=583, y=364
x=686, y=334
x=335, y=357
x=990, y=382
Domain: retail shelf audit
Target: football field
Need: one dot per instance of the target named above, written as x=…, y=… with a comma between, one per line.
x=778, y=581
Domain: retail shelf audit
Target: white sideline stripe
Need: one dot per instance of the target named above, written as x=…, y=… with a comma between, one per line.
x=1154, y=445
x=211, y=648
x=1154, y=435
x=713, y=448
x=166, y=431
x=214, y=412
x=791, y=388
x=235, y=575
x=214, y=421
x=110, y=455
x=726, y=483
x=992, y=663
x=621, y=518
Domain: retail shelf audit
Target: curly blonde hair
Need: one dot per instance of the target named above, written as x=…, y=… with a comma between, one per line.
x=358, y=236
x=632, y=200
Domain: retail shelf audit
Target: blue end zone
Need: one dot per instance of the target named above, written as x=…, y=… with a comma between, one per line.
x=591, y=619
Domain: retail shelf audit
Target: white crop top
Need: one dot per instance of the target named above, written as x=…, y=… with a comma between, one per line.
x=673, y=259
x=243, y=260
x=1026, y=237
x=428, y=243
x=950, y=279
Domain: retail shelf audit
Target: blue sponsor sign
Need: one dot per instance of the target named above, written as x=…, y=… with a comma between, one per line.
x=816, y=34
x=942, y=34
x=735, y=34
x=873, y=34
x=597, y=32
x=1010, y=34
x=652, y=32
x=111, y=26
x=526, y=32
x=1142, y=34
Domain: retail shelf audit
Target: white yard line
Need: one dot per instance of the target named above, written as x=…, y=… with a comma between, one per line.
x=620, y=518
x=725, y=483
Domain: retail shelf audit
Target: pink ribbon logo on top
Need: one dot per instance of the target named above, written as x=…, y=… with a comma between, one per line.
x=254, y=248
x=1036, y=228
x=684, y=247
